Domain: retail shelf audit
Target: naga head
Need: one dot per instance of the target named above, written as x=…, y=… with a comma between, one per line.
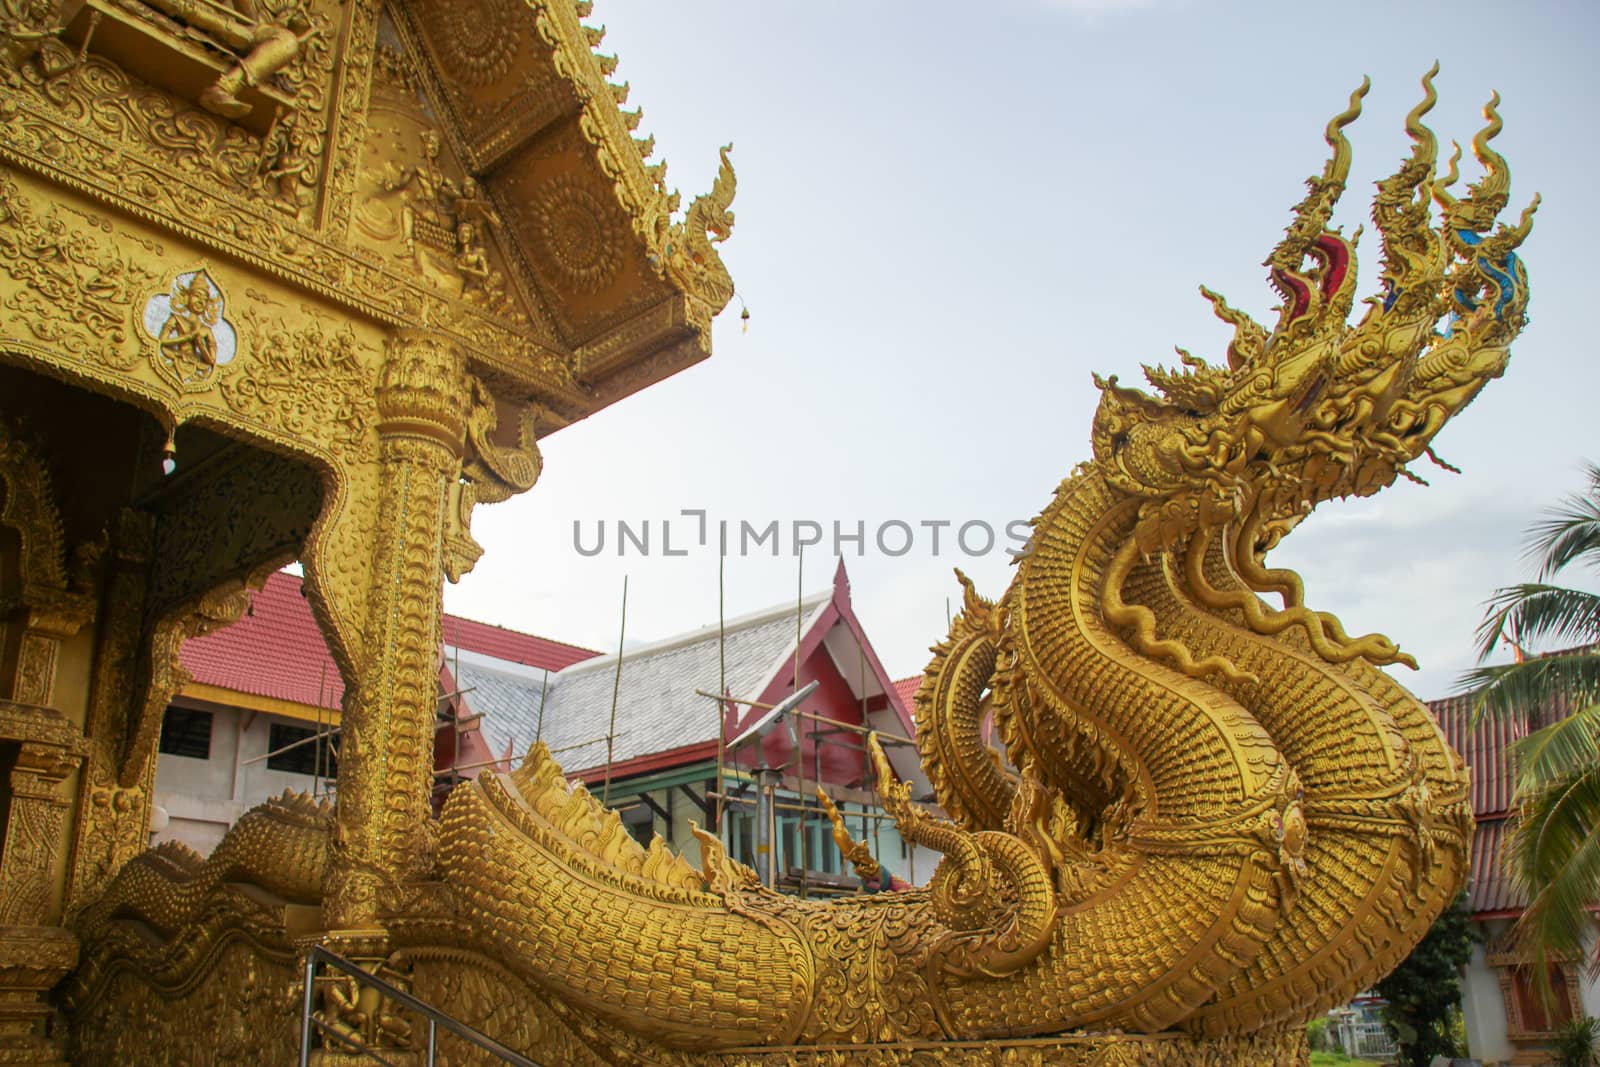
x=1316, y=407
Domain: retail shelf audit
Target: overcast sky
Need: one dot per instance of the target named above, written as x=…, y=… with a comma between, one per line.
x=949, y=215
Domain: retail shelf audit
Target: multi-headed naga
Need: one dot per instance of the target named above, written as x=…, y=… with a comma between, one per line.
x=1213, y=812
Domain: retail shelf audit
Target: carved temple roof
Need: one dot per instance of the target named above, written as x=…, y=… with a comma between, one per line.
x=523, y=97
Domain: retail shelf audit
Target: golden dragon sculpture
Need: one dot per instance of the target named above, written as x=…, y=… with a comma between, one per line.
x=1212, y=814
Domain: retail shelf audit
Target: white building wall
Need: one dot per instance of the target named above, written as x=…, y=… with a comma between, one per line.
x=1589, y=981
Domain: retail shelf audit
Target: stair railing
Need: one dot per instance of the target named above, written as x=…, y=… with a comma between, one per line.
x=436, y=1019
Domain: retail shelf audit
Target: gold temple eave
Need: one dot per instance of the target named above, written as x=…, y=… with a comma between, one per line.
x=537, y=359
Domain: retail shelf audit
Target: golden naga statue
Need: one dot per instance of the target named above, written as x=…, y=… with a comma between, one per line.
x=1215, y=819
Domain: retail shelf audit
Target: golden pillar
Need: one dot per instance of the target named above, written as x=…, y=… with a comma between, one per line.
x=384, y=818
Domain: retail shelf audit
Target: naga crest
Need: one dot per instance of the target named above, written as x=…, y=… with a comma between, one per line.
x=1316, y=407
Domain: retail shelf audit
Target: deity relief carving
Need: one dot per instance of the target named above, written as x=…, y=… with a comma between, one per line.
x=189, y=337
x=288, y=167
x=440, y=225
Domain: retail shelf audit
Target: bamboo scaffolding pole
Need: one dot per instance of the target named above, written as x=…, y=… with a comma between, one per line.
x=785, y=805
x=455, y=732
x=322, y=698
x=544, y=691
x=616, y=689
x=334, y=732
x=518, y=759
x=722, y=684
x=883, y=735
x=866, y=759
x=800, y=737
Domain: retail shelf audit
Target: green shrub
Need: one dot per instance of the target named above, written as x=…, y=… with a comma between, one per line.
x=1578, y=1044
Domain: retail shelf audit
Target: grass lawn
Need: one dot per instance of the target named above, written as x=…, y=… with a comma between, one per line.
x=1338, y=1059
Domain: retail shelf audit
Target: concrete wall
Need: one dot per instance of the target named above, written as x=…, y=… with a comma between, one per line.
x=198, y=799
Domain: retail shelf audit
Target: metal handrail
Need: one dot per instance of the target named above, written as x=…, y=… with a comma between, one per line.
x=435, y=1017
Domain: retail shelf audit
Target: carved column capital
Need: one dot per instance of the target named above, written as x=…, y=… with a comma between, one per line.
x=422, y=391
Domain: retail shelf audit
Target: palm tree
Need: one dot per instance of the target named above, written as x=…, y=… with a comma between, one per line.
x=1553, y=854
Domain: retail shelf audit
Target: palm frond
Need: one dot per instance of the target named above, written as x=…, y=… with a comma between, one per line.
x=1534, y=612
x=1570, y=531
x=1553, y=856
x=1533, y=687
x=1558, y=751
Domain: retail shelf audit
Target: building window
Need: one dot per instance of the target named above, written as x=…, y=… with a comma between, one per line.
x=185, y=732
x=640, y=823
x=1535, y=1013
x=306, y=757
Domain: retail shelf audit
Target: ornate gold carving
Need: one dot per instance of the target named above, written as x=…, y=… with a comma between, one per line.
x=499, y=470
x=112, y=823
x=461, y=551
x=858, y=853
x=1240, y=810
x=44, y=607
x=1214, y=813
x=166, y=675
x=246, y=993
x=32, y=960
x=78, y=290
x=85, y=120
x=423, y=390
x=687, y=250
x=302, y=380
x=478, y=40
x=386, y=752
x=282, y=843
x=246, y=510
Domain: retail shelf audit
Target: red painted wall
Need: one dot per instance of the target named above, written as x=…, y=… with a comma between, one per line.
x=843, y=754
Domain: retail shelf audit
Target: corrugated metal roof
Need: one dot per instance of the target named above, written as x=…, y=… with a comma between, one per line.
x=1490, y=890
x=1484, y=747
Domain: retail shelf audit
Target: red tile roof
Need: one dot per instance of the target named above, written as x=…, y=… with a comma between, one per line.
x=503, y=644
x=907, y=688
x=276, y=650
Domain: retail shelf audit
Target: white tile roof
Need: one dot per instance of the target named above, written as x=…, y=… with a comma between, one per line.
x=657, y=707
